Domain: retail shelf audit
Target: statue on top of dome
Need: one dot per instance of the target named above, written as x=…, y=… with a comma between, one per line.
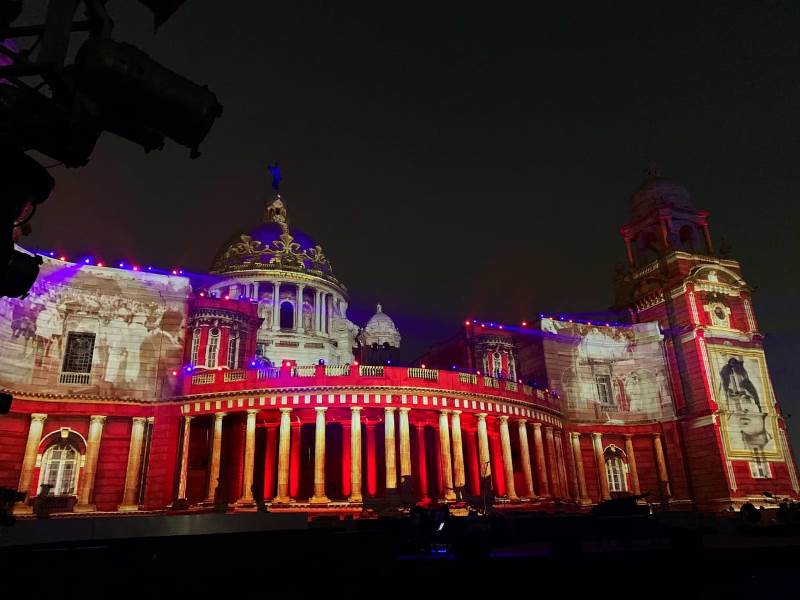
x=275, y=170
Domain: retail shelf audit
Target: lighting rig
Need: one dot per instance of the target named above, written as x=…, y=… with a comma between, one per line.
x=60, y=109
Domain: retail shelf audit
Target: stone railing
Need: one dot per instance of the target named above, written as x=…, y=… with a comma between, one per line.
x=468, y=378
x=75, y=378
x=429, y=374
x=268, y=373
x=305, y=371
x=370, y=371
x=204, y=378
x=491, y=382
x=337, y=370
x=235, y=375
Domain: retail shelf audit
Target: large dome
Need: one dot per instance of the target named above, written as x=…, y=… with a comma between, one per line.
x=659, y=192
x=272, y=245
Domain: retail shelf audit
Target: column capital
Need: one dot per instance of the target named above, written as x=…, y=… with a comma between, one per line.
x=444, y=412
x=38, y=417
x=97, y=418
x=481, y=416
x=321, y=409
x=219, y=416
x=389, y=409
x=522, y=421
x=628, y=436
x=151, y=420
x=575, y=435
x=356, y=408
x=253, y=411
x=286, y=409
x=656, y=435
x=597, y=436
x=404, y=409
x=455, y=412
x=548, y=427
x=537, y=426
x=139, y=419
x=503, y=418
x=186, y=418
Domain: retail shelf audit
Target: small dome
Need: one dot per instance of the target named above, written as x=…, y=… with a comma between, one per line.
x=381, y=329
x=659, y=192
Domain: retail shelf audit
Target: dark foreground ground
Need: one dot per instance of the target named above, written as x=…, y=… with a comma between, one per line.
x=685, y=556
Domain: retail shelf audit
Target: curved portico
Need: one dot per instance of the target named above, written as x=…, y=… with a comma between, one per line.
x=334, y=436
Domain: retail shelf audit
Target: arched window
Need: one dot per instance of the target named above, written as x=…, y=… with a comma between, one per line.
x=60, y=469
x=212, y=351
x=287, y=315
x=615, y=470
x=233, y=351
x=195, y=346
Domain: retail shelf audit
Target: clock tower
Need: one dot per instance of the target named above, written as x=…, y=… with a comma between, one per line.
x=732, y=429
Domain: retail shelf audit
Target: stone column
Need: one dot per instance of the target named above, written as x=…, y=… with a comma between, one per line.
x=389, y=446
x=213, y=466
x=405, y=449
x=323, y=326
x=632, y=464
x=130, y=495
x=29, y=461
x=444, y=449
x=552, y=471
x=319, y=496
x=422, y=461
x=255, y=291
x=562, y=465
x=284, y=447
x=298, y=313
x=327, y=312
x=484, y=460
x=294, y=461
x=316, y=311
x=346, y=444
x=508, y=465
x=597, y=441
x=90, y=468
x=576, y=451
x=276, y=306
x=459, y=476
x=372, y=477
x=355, y=455
x=663, y=477
x=526, y=458
x=541, y=467
x=249, y=458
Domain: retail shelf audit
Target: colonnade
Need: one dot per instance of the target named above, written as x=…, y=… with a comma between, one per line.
x=544, y=471
x=323, y=304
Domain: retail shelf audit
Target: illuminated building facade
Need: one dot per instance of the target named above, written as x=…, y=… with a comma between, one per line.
x=143, y=391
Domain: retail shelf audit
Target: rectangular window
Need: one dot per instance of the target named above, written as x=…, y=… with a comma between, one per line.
x=195, y=346
x=233, y=352
x=603, y=383
x=760, y=469
x=79, y=352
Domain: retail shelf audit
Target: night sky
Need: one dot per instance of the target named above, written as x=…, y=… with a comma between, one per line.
x=464, y=163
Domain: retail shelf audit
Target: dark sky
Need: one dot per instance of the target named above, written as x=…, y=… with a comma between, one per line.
x=465, y=162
